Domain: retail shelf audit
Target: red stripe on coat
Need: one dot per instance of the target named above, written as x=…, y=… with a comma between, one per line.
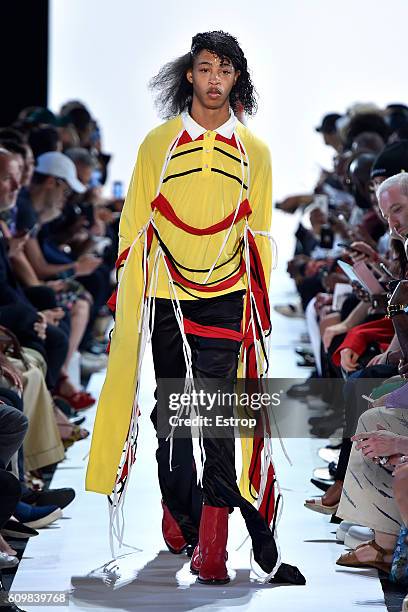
x=164, y=207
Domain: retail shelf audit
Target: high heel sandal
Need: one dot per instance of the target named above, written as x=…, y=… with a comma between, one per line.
x=318, y=506
x=78, y=433
x=78, y=400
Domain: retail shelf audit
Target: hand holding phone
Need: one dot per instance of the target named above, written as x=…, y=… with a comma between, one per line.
x=364, y=252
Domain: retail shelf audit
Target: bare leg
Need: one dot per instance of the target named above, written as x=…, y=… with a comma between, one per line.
x=332, y=495
x=385, y=540
x=79, y=321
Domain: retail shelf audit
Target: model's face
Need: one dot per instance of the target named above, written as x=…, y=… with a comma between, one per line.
x=394, y=207
x=212, y=80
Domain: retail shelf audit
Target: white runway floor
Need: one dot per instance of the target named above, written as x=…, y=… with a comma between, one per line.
x=154, y=579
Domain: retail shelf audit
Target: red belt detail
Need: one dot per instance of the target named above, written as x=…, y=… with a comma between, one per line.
x=165, y=208
x=209, y=331
x=226, y=284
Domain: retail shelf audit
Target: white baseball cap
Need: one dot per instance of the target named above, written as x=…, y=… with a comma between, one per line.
x=59, y=165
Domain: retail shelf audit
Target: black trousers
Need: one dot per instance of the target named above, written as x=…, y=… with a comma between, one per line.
x=13, y=428
x=10, y=494
x=211, y=358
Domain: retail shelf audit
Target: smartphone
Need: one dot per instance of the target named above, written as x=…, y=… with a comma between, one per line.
x=348, y=247
x=326, y=237
x=345, y=246
x=117, y=190
x=349, y=271
x=367, y=278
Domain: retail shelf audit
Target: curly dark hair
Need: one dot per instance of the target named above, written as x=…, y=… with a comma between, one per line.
x=174, y=93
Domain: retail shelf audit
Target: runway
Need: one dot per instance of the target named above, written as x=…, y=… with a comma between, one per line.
x=151, y=578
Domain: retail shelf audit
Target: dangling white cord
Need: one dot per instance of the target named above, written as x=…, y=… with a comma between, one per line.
x=172, y=146
x=116, y=530
x=199, y=454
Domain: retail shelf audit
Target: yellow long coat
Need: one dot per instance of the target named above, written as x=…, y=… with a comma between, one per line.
x=118, y=392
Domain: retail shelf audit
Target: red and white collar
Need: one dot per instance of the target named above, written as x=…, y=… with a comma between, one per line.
x=195, y=130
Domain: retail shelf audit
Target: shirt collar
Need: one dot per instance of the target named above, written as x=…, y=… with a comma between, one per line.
x=195, y=130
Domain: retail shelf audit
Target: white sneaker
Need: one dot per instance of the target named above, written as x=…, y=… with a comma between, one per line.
x=342, y=530
x=329, y=454
x=356, y=535
x=294, y=311
x=7, y=561
x=93, y=363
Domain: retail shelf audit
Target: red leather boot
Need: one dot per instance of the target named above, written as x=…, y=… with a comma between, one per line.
x=195, y=562
x=213, y=545
x=172, y=535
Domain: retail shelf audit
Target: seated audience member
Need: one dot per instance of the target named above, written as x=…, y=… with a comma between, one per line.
x=368, y=498
x=54, y=177
x=16, y=311
x=13, y=427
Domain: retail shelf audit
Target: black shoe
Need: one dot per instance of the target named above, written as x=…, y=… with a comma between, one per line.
x=332, y=469
x=335, y=446
x=321, y=484
x=323, y=419
x=11, y=608
x=17, y=530
x=302, y=351
x=335, y=519
x=324, y=431
x=311, y=386
x=299, y=390
x=77, y=420
x=50, y=497
x=308, y=362
x=64, y=406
